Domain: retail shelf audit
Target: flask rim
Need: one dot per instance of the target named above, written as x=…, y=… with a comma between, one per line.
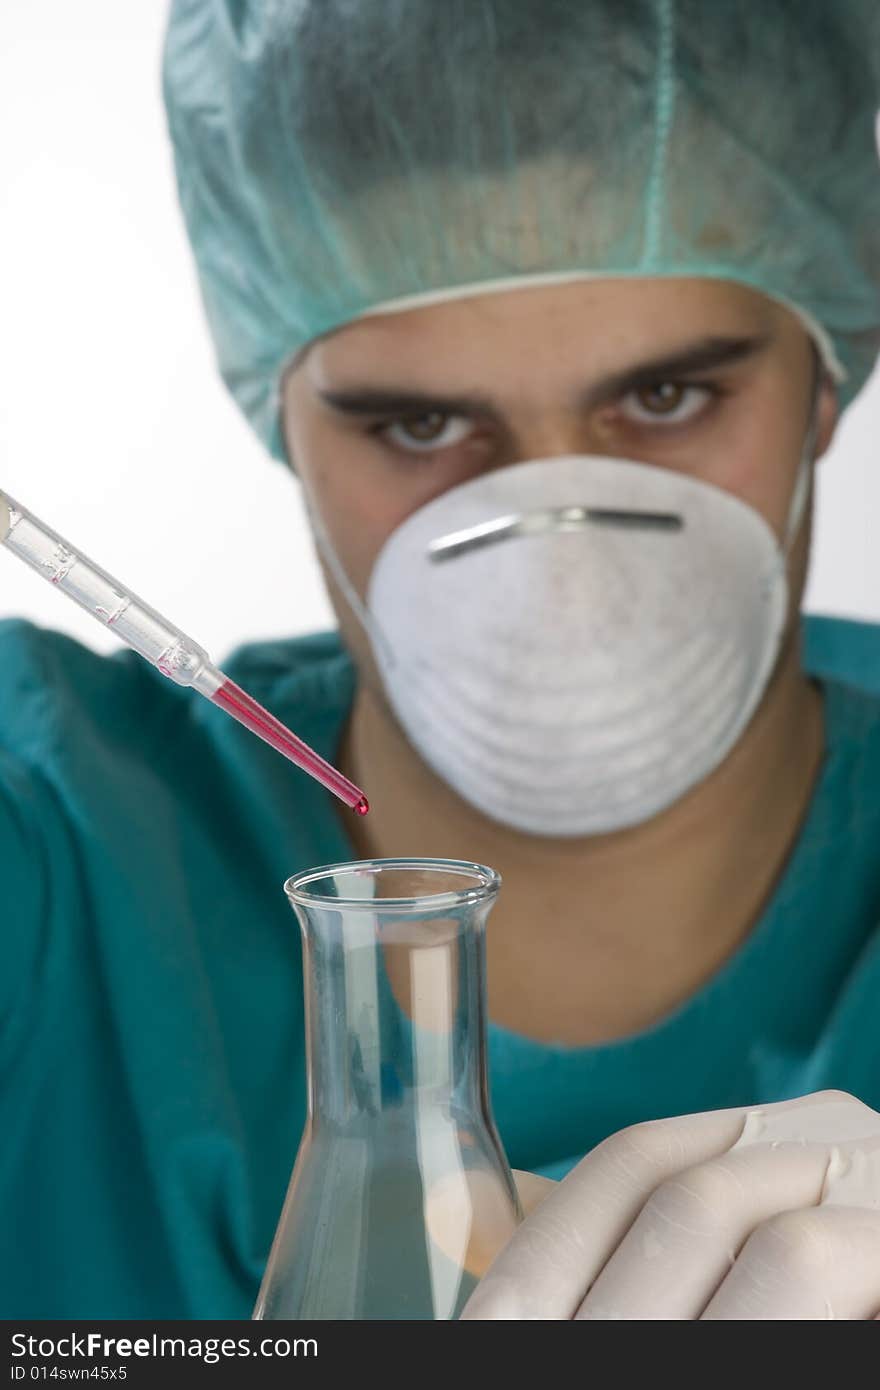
x=483, y=888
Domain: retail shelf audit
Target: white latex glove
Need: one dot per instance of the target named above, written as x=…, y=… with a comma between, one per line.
x=770, y=1213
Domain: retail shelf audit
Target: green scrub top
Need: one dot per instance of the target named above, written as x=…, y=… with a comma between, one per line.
x=151, y=1010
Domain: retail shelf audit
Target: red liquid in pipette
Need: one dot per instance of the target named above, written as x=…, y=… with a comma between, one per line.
x=242, y=707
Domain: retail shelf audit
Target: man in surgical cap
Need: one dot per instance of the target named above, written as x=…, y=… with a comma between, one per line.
x=551, y=306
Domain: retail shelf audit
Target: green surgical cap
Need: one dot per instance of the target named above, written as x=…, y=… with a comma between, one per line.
x=335, y=156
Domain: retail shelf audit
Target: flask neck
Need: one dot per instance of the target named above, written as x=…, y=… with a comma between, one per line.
x=396, y=1016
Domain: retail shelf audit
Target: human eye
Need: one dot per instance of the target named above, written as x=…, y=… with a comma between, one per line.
x=426, y=434
x=667, y=403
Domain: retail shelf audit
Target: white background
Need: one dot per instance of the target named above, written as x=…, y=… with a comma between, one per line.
x=114, y=427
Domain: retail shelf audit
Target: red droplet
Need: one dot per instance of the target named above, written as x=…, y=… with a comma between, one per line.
x=362, y=807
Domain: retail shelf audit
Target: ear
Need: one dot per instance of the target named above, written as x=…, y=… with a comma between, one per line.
x=827, y=416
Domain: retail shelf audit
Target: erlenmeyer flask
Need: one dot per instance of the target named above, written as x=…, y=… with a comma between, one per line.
x=401, y=1194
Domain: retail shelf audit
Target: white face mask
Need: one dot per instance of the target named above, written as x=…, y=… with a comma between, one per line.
x=570, y=672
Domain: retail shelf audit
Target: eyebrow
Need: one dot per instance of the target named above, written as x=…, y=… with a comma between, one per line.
x=702, y=356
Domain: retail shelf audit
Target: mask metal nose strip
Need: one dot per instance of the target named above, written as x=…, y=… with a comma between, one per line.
x=550, y=519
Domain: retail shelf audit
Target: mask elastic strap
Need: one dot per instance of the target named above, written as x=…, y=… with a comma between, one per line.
x=352, y=597
x=805, y=467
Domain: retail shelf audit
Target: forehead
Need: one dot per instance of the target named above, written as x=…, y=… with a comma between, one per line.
x=604, y=325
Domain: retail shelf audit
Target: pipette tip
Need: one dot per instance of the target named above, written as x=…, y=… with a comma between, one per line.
x=362, y=807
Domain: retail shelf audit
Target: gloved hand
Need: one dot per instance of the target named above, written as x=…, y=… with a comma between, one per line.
x=4, y=517
x=770, y=1213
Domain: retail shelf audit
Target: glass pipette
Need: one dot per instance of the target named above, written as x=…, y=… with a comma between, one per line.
x=158, y=641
